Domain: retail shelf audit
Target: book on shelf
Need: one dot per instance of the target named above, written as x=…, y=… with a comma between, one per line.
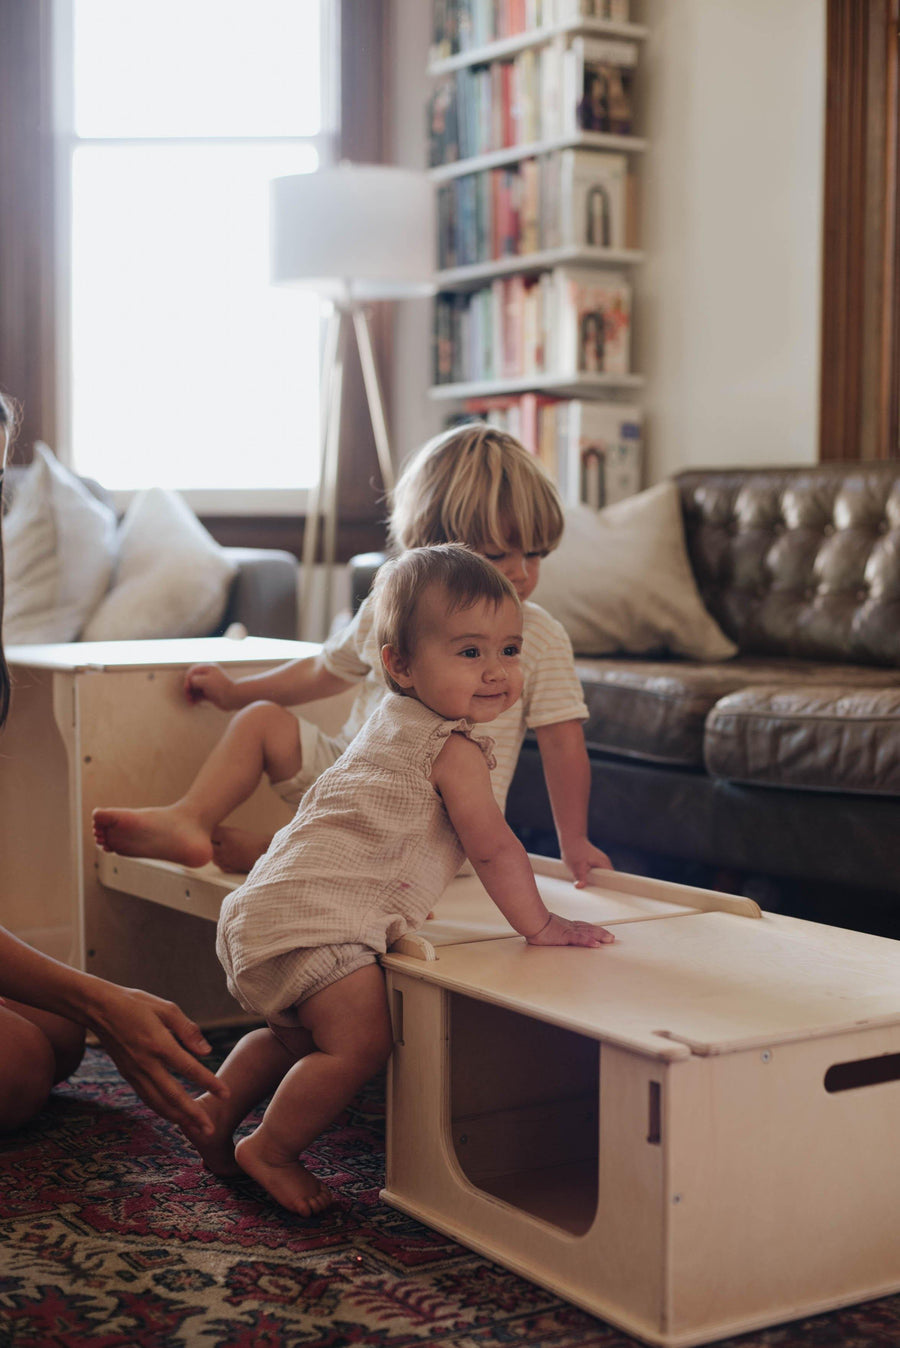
x=616, y=11
x=598, y=78
x=598, y=452
x=591, y=328
x=594, y=200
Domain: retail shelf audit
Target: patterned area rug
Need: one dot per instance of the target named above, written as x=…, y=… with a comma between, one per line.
x=113, y=1236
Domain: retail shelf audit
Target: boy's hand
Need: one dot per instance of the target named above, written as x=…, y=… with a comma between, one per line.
x=582, y=857
x=210, y=683
x=560, y=931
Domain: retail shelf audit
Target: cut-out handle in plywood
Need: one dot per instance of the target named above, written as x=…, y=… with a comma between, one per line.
x=850, y=1076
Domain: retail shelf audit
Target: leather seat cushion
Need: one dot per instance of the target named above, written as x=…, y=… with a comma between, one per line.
x=831, y=738
x=657, y=709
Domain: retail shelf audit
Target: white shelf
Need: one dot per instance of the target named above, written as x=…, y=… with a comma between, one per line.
x=511, y=154
x=464, y=278
x=570, y=385
x=508, y=46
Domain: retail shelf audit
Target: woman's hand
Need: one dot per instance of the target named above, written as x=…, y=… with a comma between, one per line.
x=149, y=1039
x=560, y=931
x=210, y=683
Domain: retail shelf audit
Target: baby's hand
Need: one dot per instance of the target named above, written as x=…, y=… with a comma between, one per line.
x=209, y=683
x=560, y=931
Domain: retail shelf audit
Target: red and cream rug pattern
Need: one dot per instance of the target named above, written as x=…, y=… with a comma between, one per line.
x=112, y=1235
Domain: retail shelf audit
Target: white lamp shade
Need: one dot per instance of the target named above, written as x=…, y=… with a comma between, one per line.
x=356, y=231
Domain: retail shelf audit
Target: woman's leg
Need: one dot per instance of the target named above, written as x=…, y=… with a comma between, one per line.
x=37, y=1049
x=260, y=739
x=351, y=1033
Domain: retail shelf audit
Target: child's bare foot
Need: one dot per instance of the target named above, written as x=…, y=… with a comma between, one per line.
x=160, y=831
x=236, y=849
x=217, y=1148
x=285, y=1179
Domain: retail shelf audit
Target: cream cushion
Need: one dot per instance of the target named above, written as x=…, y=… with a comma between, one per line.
x=60, y=549
x=620, y=581
x=172, y=578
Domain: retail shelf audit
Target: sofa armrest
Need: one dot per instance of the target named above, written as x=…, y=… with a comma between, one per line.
x=362, y=572
x=264, y=593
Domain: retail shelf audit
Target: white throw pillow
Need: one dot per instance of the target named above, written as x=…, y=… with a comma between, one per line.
x=620, y=582
x=172, y=579
x=60, y=548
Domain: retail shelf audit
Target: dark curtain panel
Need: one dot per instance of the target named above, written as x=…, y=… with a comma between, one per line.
x=27, y=247
x=364, y=102
x=860, y=381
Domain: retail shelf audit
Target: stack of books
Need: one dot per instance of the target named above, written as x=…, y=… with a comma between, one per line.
x=572, y=198
x=463, y=25
x=538, y=94
x=566, y=322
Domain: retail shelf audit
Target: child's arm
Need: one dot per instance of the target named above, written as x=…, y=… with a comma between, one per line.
x=500, y=861
x=295, y=682
x=567, y=772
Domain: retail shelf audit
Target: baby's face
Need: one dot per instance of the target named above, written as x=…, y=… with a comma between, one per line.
x=466, y=664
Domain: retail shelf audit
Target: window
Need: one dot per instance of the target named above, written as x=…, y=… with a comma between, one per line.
x=185, y=367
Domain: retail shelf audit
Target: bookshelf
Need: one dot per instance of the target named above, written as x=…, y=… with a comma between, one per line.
x=536, y=161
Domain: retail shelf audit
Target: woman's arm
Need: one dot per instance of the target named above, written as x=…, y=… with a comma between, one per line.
x=148, y=1038
x=499, y=859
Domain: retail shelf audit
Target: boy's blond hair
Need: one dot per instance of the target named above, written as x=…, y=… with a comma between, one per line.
x=465, y=578
x=477, y=485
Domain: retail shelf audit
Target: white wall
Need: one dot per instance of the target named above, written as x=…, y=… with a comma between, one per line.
x=727, y=321
x=727, y=328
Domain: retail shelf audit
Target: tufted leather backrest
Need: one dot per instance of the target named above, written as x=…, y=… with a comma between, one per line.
x=802, y=562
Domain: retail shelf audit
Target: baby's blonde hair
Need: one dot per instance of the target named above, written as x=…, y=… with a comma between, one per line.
x=477, y=485
x=463, y=576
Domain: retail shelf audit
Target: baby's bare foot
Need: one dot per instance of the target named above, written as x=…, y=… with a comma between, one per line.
x=236, y=850
x=217, y=1148
x=285, y=1179
x=160, y=831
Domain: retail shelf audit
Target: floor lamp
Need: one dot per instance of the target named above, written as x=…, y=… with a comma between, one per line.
x=354, y=234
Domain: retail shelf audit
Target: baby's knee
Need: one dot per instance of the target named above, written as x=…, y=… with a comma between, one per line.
x=265, y=716
x=376, y=1046
x=27, y=1065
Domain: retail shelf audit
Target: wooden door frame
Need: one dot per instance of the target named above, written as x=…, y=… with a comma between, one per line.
x=860, y=345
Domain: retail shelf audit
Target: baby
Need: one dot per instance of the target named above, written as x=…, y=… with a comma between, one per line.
x=374, y=843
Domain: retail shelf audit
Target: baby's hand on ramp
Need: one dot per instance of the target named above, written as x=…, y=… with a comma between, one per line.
x=560, y=931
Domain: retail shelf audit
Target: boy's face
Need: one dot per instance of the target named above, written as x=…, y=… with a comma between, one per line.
x=464, y=664
x=521, y=569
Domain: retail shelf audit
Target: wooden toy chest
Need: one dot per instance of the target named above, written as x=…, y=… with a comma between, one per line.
x=691, y=1133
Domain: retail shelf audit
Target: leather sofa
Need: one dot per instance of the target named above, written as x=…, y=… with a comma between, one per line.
x=784, y=762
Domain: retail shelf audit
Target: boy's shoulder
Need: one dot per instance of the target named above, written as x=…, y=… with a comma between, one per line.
x=538, y=622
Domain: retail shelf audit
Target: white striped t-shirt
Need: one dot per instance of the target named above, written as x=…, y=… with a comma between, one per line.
x=551, y=691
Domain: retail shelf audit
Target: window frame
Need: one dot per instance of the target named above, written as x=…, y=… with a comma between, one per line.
x=221, y=504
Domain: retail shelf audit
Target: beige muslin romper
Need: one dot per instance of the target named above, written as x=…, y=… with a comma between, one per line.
x=367, y=855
